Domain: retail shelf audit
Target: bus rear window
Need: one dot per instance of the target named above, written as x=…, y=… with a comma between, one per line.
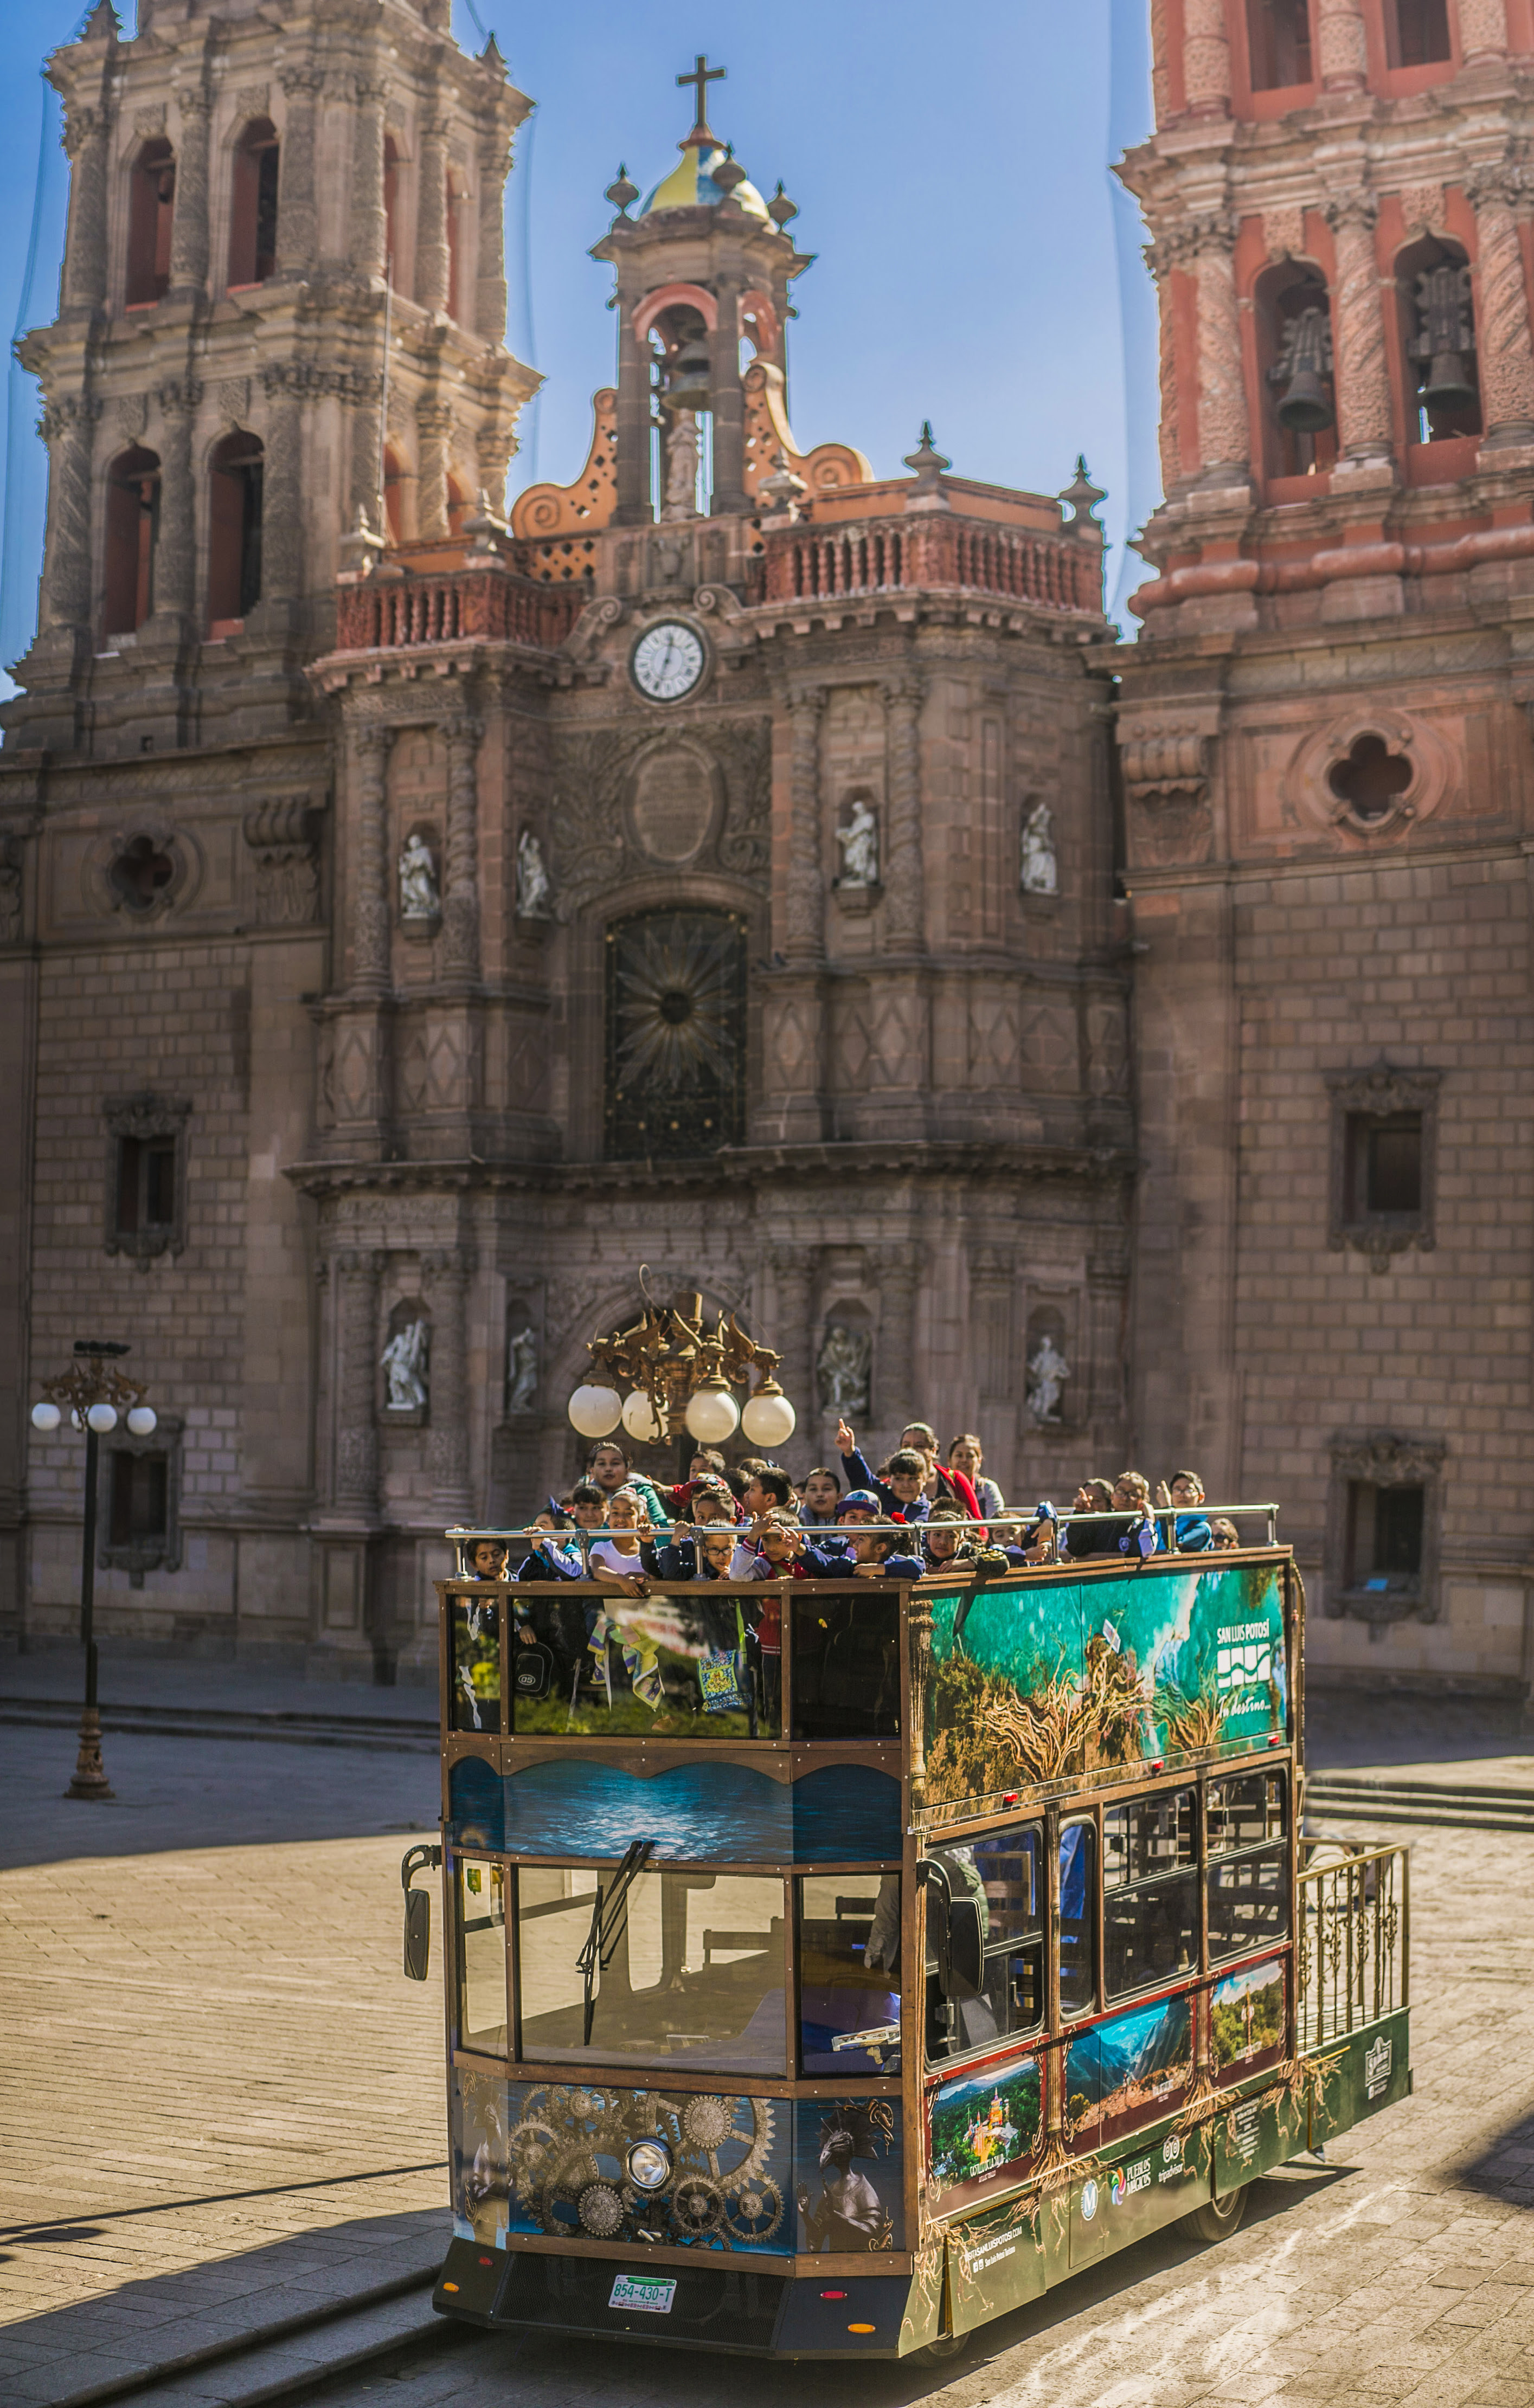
x=849, y=1973
x=845, y=1665
x=693, y=1976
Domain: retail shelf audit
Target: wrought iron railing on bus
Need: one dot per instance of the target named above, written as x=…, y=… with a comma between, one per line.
x=1351, y=1933
x=1039, y=1517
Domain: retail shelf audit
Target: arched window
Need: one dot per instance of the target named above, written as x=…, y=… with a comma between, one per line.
x=1438, y=322
x=253, y=216
x=391, y=207
x=1277, y=39
x=1294, y=351
x=676, y=1033
x=151, y=199
x=234, y=530
x=1416, y=32
x=133, y=523
x=393, y=496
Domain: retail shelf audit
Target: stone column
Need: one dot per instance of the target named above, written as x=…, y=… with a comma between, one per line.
x=69, y=432
x=905, y=899
x=633, y=504
x=369, y=222
x=297, y=220
x=1483, y=29
x=804, y=933
x=461, y=868
x=431, y=224
x=367, y=767
x=1167, y=437
x=1501, y=309
x=1363, y=389
x=1224, y=435
x=433, y=427
x=729, y=402
x=282, y=501
x=897, y=1387
x=1342, y=45
x=358, y=1276
x=176, y=545
x=1160, y=95
x=1206, y=58
x=446, y=1441
x=189, y=225
x=86, y=130
x=490, y=281
x=991, y=1321
x=791, y=1269
x=365, y=455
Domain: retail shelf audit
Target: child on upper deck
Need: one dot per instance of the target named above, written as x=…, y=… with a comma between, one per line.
x=901, y=1494
x=1192, y=1530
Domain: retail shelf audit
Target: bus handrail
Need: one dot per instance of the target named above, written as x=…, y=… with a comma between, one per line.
x=1353, y=1944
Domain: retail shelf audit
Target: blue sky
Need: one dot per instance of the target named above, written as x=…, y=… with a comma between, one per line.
x=950, y=168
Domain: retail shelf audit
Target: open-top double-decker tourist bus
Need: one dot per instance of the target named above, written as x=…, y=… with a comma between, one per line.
x=837, y=2002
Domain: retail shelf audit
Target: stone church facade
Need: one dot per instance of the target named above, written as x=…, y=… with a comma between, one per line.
x=413, y=925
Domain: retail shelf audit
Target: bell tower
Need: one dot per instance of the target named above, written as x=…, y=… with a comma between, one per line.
x=283, y=302
x=1328, y=786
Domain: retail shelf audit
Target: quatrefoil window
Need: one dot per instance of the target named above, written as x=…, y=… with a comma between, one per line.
x=1369, y=781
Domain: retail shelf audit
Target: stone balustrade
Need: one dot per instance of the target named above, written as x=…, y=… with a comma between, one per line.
x=451, y=606
x=883, y=555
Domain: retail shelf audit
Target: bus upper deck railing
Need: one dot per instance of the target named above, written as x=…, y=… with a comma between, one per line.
x=1353, y=1932
x=463, y=1539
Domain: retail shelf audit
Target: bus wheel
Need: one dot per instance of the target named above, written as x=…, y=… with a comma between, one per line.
x=938, y=2352
x=1217, y=2220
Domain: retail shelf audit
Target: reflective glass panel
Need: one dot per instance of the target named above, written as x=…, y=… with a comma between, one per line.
x=1010, y=1866
x=1243, y=1811
x=475, y=1670
x=1149, y=1836
x=689, y=1661
x=849, y=1973
x=1149, y=1933
x=693, y=1970
x=480, y=2017
x=1078, y=1919
x=847, y=1664
x=1248, y=1902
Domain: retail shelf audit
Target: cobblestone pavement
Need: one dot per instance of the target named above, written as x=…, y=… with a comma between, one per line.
x=222, y=2105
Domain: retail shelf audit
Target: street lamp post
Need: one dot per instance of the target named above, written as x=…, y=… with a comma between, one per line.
x=679, y=1374
x=94, y=1396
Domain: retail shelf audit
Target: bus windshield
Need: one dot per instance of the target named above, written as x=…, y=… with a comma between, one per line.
x=693, y=1976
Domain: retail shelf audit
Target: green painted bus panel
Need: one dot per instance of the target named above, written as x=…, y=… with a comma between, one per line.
x=924, y=2318
x=1067, y=1678
x=1259, y=2128
x=1369, y=2070
x=996, y=2263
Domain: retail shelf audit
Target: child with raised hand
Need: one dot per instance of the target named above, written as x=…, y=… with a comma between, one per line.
x=901, y=1494
x=1193, y=1532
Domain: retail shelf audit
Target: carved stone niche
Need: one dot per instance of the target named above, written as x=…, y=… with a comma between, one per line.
x=134, y=1122
x=282, y=837
x=1365, y=1106
x=1166, y=786
x=1381, y=1559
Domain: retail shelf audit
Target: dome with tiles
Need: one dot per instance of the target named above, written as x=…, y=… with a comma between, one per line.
x=691, y=184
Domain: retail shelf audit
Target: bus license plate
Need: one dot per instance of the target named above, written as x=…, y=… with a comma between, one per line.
x=643, y=2291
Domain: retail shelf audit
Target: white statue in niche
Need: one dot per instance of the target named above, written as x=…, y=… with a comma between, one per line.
x=842, y=1368
x=1048, y=1372
x=521, y=1373
x=1040, y=873
x=405, y=1366
x=418, y=896
x=534, y=891
x=682, y=467
x=859, y=842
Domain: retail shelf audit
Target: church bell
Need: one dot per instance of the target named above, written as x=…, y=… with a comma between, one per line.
x=1447, y=387
x=1446, y=336
x=1304, y=395
x=687, y=375
x=1305, y=404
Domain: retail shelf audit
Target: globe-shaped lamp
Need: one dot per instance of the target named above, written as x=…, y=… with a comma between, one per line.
x=142, y=1419
x=46, y=1417
x=768, y=1419
x=101, y=1418
x=640, y=1419
x=712, y=1414
x=595, y=1411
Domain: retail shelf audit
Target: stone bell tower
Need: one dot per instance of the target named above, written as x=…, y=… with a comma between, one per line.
x=1329, y=797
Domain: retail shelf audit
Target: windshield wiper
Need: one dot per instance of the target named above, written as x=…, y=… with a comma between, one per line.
x=606, y=1921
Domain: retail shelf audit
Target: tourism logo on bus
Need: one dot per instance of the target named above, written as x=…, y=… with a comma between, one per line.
x=1243, y=1657
x=1377, y=2068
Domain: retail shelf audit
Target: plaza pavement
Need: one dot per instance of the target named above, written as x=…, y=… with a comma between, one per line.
x=221, y=2109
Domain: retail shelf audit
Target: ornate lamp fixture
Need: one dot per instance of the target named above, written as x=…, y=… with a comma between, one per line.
x=679, y=1377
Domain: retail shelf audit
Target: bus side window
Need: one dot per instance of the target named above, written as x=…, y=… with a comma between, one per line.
x=1004, y=1873
x=1150, y=1881
x=845, y=1665
x=1078, y=1919
x=474, y=1671
x=1246, y=1823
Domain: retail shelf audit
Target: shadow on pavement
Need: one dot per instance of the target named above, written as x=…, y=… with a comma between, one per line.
x=1349, y=1727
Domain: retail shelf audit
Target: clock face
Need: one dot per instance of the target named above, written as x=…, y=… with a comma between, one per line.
x=669, y=661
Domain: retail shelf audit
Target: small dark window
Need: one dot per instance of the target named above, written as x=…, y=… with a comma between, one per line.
x=139, y=1501
x=140, y=874
x=1371, y=777
x=233, y=536
x=1278, y=34
x=252, y=218
x=1387, y=1526
x=151, y=200
x=133, y=530
x=1384, y=1166
x=146, y=1185
x=1416, y=32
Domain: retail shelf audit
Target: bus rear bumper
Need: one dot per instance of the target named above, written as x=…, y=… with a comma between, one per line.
x=743, y=2310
